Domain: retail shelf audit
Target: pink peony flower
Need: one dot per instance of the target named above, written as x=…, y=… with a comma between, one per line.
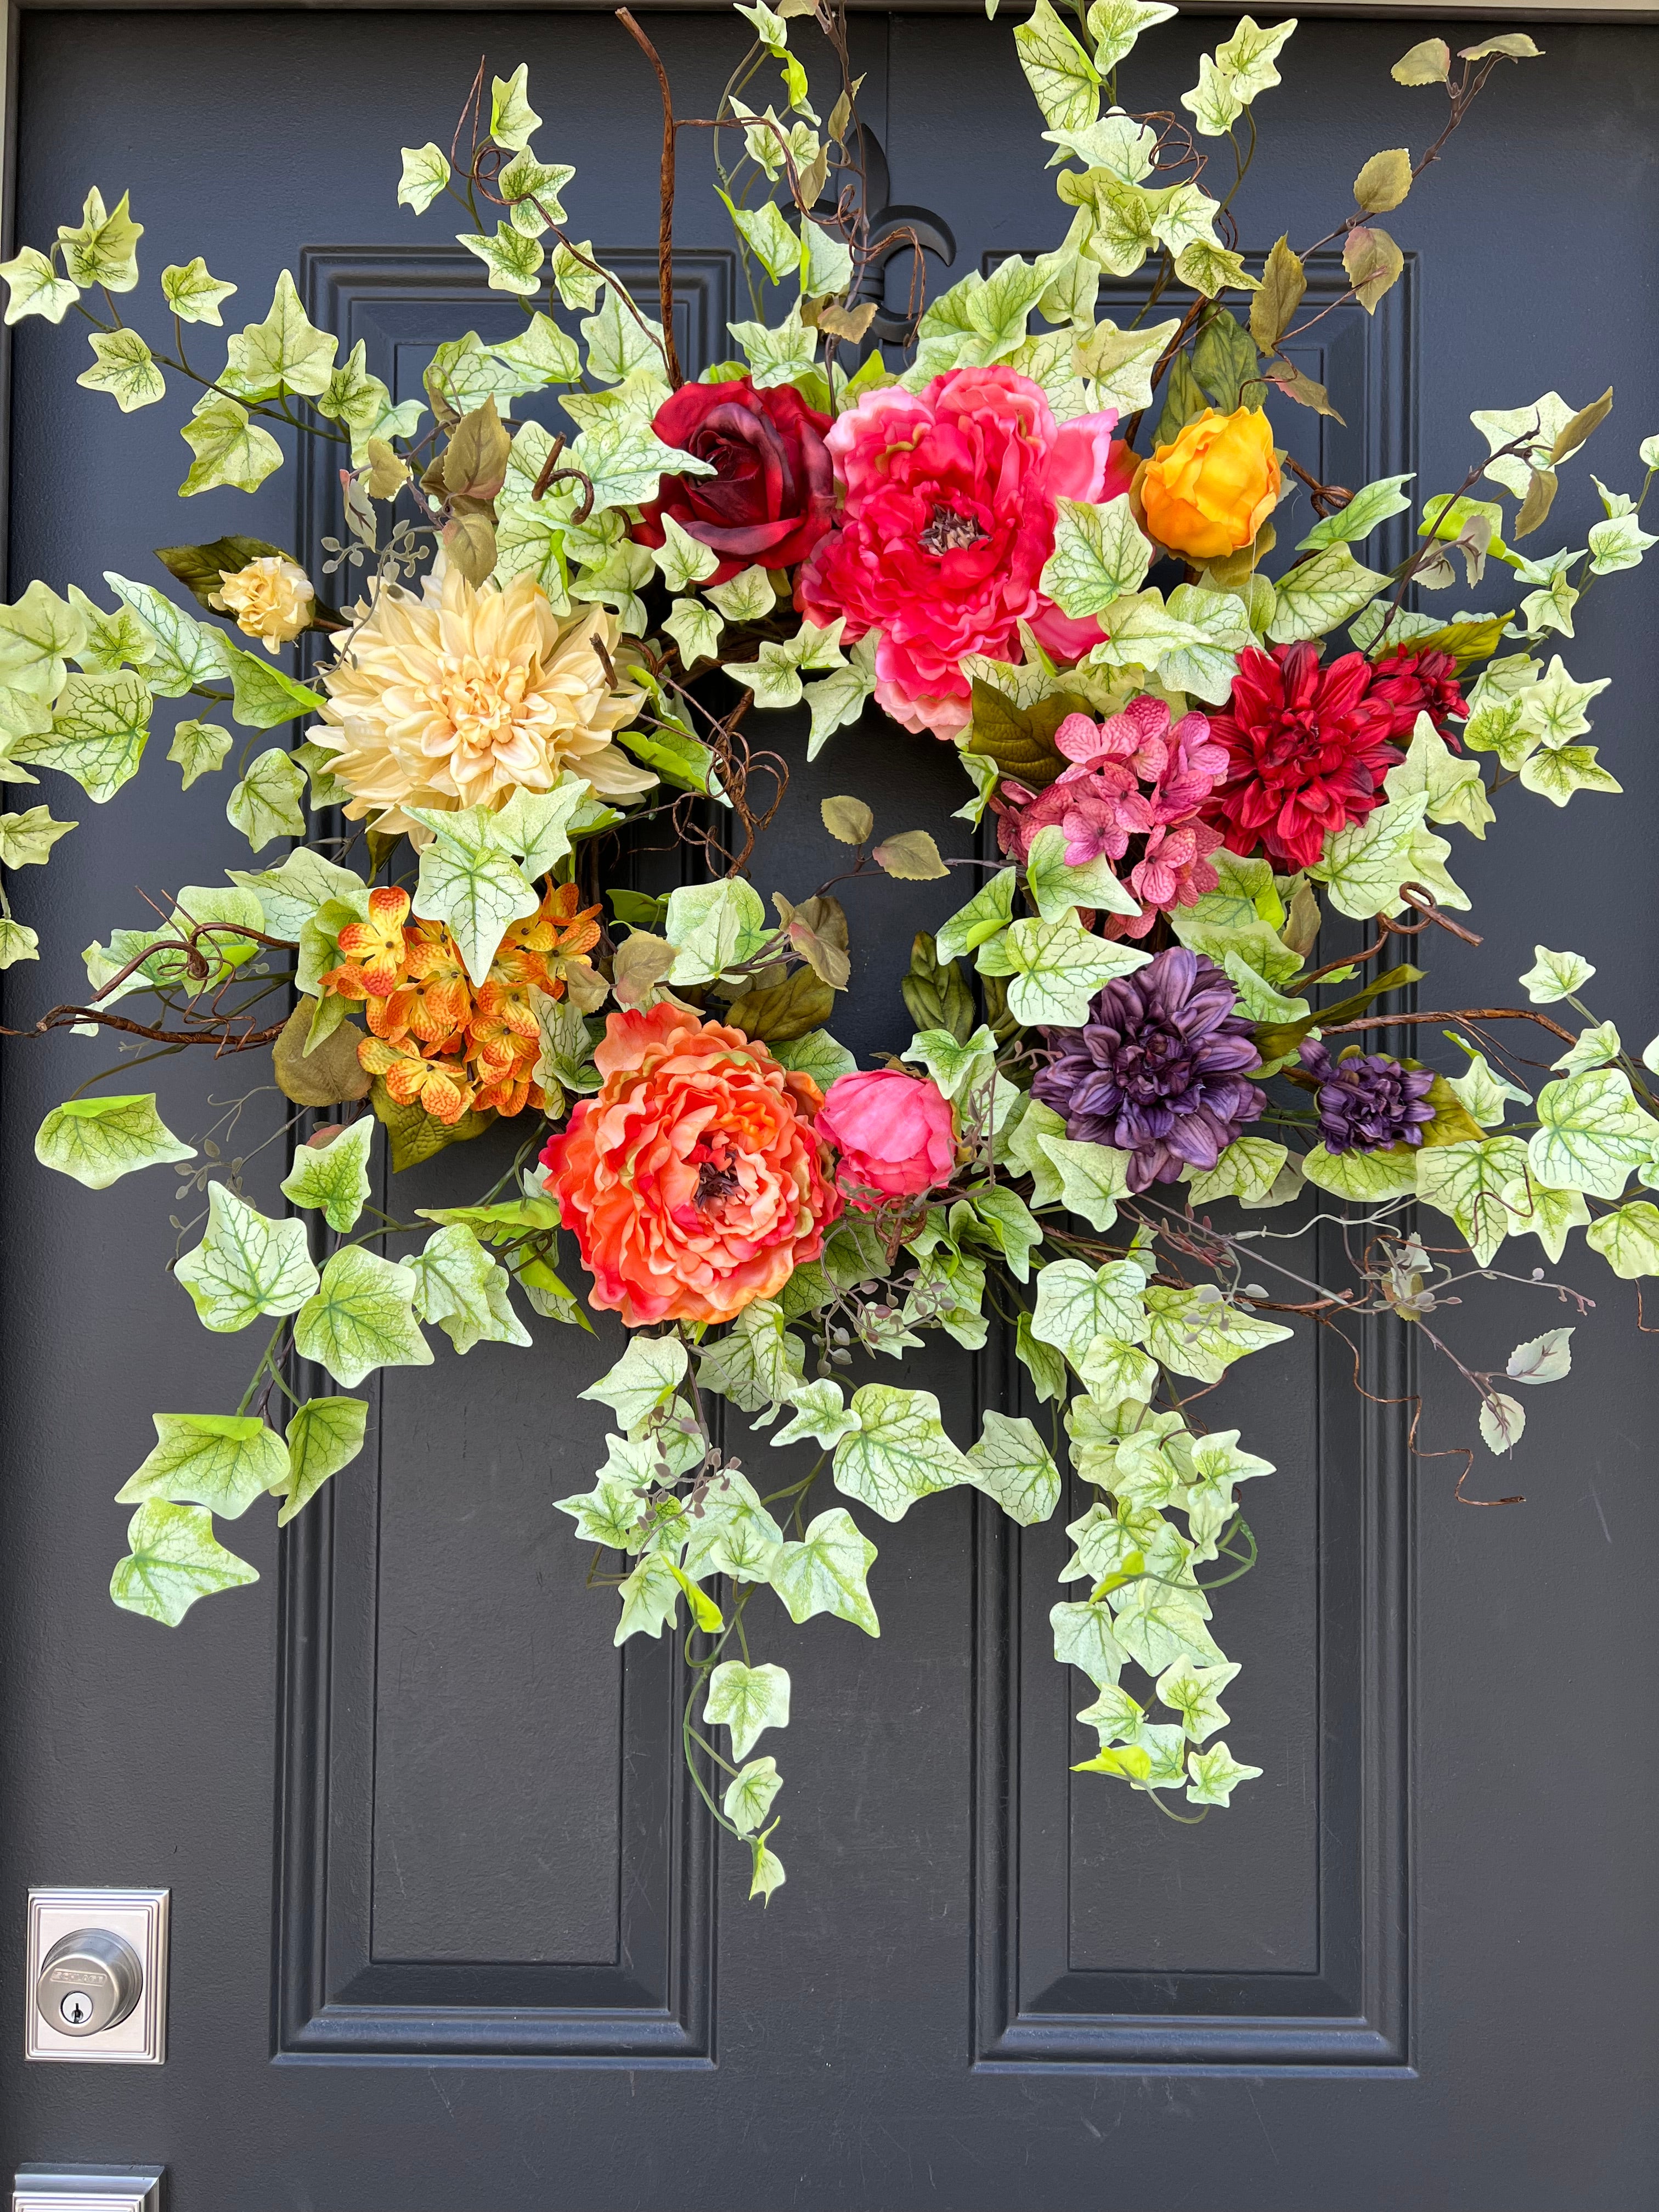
x=948, y=517
x=1132, y=775
x=894, y=1133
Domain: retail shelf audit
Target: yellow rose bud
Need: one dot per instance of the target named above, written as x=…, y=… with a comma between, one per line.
x=271, y=598
x=1208, y=493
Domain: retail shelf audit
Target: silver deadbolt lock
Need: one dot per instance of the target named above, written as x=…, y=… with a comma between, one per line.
x=89, y=1980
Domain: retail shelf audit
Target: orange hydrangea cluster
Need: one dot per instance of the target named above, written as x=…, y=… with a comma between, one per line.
x=437, y=1040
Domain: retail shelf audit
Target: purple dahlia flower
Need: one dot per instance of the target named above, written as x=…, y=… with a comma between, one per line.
x=1158, y=1069
x=1367, y=1101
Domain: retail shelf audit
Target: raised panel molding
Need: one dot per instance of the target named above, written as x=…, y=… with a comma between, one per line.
x=1032, y=2008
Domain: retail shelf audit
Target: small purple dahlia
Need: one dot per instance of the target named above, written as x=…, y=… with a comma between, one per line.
x=1367, y=1101
x=1158, y=1069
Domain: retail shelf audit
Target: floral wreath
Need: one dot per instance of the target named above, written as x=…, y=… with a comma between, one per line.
x=558, y=639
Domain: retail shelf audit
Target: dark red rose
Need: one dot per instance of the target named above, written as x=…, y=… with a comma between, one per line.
x=772, y=495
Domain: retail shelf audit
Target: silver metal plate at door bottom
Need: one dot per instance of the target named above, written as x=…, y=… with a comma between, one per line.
x=89, y=2189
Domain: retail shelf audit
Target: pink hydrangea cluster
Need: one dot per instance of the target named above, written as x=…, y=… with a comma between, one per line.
x=1132, y=777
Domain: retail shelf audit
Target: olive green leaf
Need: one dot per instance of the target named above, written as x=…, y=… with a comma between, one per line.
x=747, y=1800
x=645, y=1378
x=126, y=368
x=192, y=295
x=266, y=804
x=1384, y=181
x=100, y=252
x=245, y=1265
x=748, y=1700
x=27, y=839
x=899, y=1453
x=97, y=1140
x=36, y=288
x=222, y=1461
x=229, y=448
x=825, y=1573
x=174, y=1559
x=1429, y=61
x=361, y=1317
x=334, y=1176
x=1373, y=262
x=1011, y=1464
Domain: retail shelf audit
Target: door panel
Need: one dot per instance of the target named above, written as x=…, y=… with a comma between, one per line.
x=449, y=1930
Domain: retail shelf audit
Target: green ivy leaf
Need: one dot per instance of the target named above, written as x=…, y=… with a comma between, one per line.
x=266, y=804
x=1321, y=593
x=174, y=1559
x=222, y=1461
x=1066, y=82
x=758, y=1363
x=96, y=1140
x=468, y=883
x=513, y=260
x=1627, y=1240
x=1092, y=1178
x=645, y=1378
x=263, y=696
x=899, y=1453
x=245, y=1265
x=1159, y=1624
x=749, y=1798
x=229, y=448
x=1468, y=1181
x=712, y=926
x=124, y=367
x=649, y=1597
x=735, y=1535
x=98, y=733
x=1055, y=968
x=1247, y=1171
x=36, y=288
x=325, y=1435
x=284, y=352
x=1591, y=1134
x=1011, y=1464
x=1366, y=1178
x=1215, y=1775
x=192, y=295
x=820, y=1414
x=1077, y=1305
x=101, y=252
x=1201, y=1335
x=334, y=1176
x=825, y=1573
x=512, y=121
x=198, y=748
x=1057, y=886
x=27, y=839
x=186, y=652
x=747, y=1700
x=1085, y=1637
x=362, y=1318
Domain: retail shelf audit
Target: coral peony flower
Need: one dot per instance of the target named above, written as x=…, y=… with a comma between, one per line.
x=272, y=598
x=949, y=518
x=462, y=696
x=694, y=1179
x=1308, y=749
x=1131, y=776
x=894, y=1133
x=1209, y=492
x=1367, y=1100
x=772, y=495
x=1414, y=684
x=1159, y=1068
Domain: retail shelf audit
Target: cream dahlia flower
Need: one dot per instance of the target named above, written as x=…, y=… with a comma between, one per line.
x=272, y=598
x=464, y=696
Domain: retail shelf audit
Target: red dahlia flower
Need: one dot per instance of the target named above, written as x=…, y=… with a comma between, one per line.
x=1416, y=683
x=1308, y=749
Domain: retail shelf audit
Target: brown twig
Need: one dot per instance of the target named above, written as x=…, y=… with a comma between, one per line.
x=1460, y=1014
x=665, y=220
x=63, y=1016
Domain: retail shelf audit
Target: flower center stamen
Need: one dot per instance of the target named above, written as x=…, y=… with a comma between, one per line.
x=950, y=531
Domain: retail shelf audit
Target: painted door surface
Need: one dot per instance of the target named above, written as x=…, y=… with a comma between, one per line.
x=449, y=1931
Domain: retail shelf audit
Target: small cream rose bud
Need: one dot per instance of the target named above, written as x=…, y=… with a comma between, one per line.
x=272, y=600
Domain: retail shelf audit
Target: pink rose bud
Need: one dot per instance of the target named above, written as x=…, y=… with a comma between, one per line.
x=893, y=1132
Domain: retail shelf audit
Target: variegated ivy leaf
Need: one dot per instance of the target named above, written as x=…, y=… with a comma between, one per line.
x=1139, y=632
x=899, y=1453
x=36, y=635
x=1197, y=1333
x=115, y=640
x=769, y=237
x=27, y=839
x=464, y=1290
x=1372, y=504
x=826, y=262
x=17, y=942
x=534, y=826
x=1556, y=774
x=777, y=355
x=266, y=804
x=1247, y=1171
x=1011, y=1464
x=229, y=448
x=101, y=250
x=695, y=628
x=649, y=1597
x=245, y=1265
x=1617, y=543
x=681, y=559
x=285, y=353
x=825, y=1573
x=325, y=1435
x=334, y=1178
x=1541, y=424
x=713, y=925
x=184, y=651
x=747, y=1700
x=173, y=1559
x=774, y=677
x=290, y=894
x=1056, y=886
x=1064, y=81
x=1206, y=670
x=1215, y=1775
x=1022, y=1148
x=1055, y=969
x=1092, y=1178
x=1321, y=593
x=124, y=367
x=733, y=1533
x=1247, y=57
x=624, y=459
x=1555, y=975
x=748, y=1799
x=1482, y=1093
x=748, y=597
x=468, y=882
x=1628, y=1240
x=513, y=260
x=958, y=1067
x=1159, y=1623
x=1100, y=554
x=512, y=121
x=1213, y=102
x=425, y=173
x=1115, y=1713
x=96, y=1140
x=1451, y=786
x=988, y=913
x=222, y=1461
x=758, y=1363
x=1077, y=1305
x=1369, y=1178
x=643, y=1381
x=1594, y=1048
x=1085, y=1637
x=531, y=189
x=1120, y=362
x=1469, y=1181
x=361, y=1317
x=1591, y=1133
x=35, y=288
x=820, y=1415
x=1114, y=25
x=1551, y=707
x=98, y=733
x=193, y=294
x=1364, y=865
